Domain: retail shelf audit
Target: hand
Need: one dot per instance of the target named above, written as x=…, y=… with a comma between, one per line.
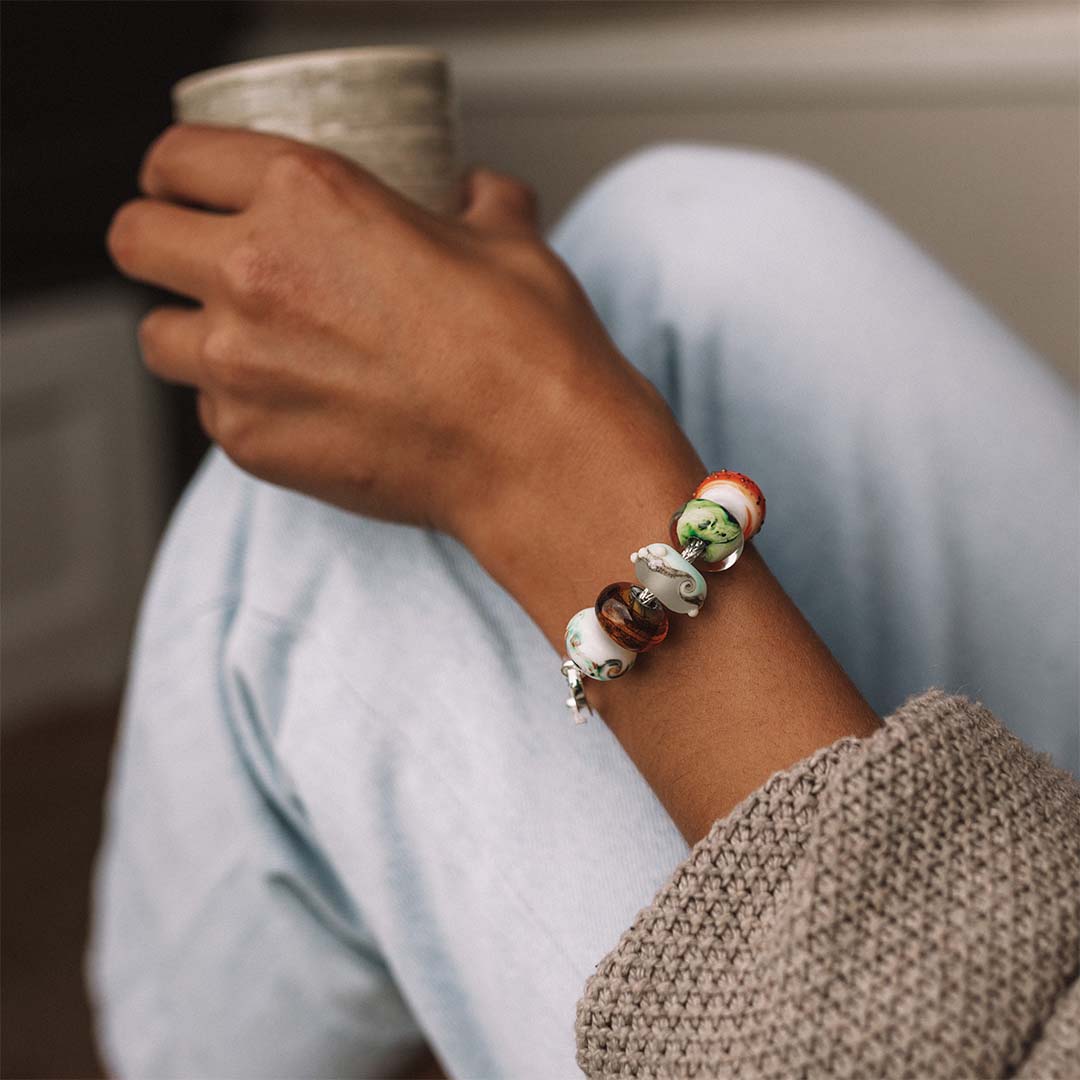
x=354, y=347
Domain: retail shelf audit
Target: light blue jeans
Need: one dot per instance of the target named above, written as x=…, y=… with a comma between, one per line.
x=349, y=810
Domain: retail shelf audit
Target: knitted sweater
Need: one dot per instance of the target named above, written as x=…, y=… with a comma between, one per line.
x=902, y=905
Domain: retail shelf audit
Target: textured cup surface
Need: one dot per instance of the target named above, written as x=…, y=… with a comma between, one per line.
x=388, y=108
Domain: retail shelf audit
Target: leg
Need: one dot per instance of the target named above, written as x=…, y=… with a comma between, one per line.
x=347, y=774
x=920, y=461
x=387, y=726
x=223, y=943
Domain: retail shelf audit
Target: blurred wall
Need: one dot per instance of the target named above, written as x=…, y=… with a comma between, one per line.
x=90, y=442
x=84, y=494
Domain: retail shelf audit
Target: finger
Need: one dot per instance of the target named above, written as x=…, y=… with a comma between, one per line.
x=219, y=167
x=171, y=246
x=500, y=203
x=172, y=342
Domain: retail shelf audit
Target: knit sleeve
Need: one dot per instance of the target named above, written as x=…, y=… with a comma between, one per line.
x=902, y=905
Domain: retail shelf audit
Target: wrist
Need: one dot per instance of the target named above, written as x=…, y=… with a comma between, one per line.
x=576, y=510
x=742, y=691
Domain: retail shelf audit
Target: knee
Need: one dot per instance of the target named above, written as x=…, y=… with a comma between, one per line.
x=702, y=185
x=701, y=216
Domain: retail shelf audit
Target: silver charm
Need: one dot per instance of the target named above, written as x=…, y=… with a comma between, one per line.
x=576, y=702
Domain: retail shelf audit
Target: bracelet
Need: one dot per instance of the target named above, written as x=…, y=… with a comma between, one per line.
x=603, y=641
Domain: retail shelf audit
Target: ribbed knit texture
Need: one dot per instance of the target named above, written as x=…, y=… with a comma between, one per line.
x=907, y=905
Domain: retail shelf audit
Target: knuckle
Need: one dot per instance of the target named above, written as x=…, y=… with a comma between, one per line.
x=304, y=169
x=253, y=274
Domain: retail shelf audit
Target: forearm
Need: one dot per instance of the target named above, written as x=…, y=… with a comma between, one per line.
x=732, y=696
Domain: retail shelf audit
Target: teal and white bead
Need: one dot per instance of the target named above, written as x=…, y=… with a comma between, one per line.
x=703, y=519
x=670, y=578
x=593, y=652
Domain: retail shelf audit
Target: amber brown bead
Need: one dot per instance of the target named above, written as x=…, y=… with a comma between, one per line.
x=629, y=622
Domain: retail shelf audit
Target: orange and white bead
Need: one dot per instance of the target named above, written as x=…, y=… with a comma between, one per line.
x=739, y=495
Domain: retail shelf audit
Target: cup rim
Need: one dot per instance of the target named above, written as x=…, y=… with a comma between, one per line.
x=314, y=57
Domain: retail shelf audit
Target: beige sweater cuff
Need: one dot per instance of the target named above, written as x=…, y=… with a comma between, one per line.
x=901, y=905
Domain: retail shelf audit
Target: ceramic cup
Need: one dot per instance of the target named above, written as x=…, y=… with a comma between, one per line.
x=388, y=108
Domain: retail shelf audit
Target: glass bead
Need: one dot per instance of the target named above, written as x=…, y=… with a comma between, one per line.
x=629, y=622
x=702, y=519
x=739, y=495
x=675, y=582
x=593, y=651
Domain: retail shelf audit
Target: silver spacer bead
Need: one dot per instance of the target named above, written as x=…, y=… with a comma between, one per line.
x=643, y=596
x=694, y=549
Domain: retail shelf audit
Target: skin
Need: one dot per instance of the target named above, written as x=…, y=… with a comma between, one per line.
x=451, y=373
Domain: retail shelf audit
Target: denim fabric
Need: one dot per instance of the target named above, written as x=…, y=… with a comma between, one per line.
x=349, y=811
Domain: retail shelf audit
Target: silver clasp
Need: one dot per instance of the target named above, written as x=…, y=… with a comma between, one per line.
x=576, y=702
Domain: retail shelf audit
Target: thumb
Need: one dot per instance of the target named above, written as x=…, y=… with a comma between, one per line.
x=499, y=203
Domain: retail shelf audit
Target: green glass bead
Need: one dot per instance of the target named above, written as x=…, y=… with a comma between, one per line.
x=702, y=519
x=629, y=622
